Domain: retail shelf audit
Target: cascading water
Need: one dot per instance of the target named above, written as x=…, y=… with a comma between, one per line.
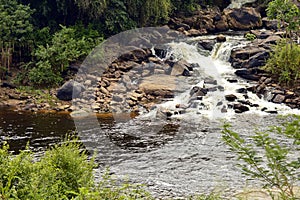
x=239, y=3
x=215, y=68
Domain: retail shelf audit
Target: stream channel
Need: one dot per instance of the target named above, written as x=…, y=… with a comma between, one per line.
x=174, y=157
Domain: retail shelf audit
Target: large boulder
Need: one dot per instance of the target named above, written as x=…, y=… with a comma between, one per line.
x=70, y=90
x=246, y=52
x=160, y=85
x=244, y=18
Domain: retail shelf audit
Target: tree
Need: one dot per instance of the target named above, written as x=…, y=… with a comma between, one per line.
x=287, y=13
x=15, y=26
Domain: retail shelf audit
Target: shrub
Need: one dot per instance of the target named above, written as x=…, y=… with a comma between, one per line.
x=267, y=158
x=284, y=62
x=52, y=59
x=43, y=75
x=64, y=172
x=250, y=36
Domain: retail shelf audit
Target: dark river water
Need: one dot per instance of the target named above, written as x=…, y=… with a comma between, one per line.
x=173, y=158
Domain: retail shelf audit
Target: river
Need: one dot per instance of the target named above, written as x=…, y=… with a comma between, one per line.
x=174, y=157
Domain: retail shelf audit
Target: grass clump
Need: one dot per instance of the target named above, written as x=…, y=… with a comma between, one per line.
x=265, y=157
x=284, y=62
x=64, y=172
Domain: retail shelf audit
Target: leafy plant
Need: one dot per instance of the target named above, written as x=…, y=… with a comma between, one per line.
x=66, y=46
x=284, y=62
x=286, y=12
x=250, y=36
x=267, y=158
x=43, y=75
x=64, y=172
x=15, y=26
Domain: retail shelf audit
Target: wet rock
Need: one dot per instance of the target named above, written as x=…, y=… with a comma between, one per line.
x=244, y=18
x=270, y=24
x=261, y=34
x=230, y=80
x=180, y=68
x=245, y=53
x=221, y=38
x=198, y=91
x=194, y=32
x=8, y=85
x=242, y=90
x=221, y=23
x=257, y=60
x=69, y=90
x=272, y=39
x=278, y=98
x=246, y=74
x=207, y=44
x=159, y=85
x=240, y=108
x=210, y=81
x=230, y=97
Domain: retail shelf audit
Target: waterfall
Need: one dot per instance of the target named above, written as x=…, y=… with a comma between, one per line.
x=239, y=3
x=214, y=68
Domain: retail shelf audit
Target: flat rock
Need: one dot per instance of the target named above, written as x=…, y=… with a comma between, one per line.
x=160, y=85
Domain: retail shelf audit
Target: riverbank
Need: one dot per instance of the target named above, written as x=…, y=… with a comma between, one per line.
x=143, y=77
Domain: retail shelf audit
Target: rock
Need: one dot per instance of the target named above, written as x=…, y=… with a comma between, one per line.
x=117, y=98
x=245, y=53
x=257, y=60
x=242, y=90
x=8, y=85
x=247, y=74
x=194, y=32
x=230, y=97
x=198, y=91
x=270, y=24
x=278, y=98
x=221, y=24
x=272, y=39
x=240, y=108
x=70, y=90
x=180, y=68
x=244, y=18
x=207, y=44
x=221, y=38
x=231, y=80
x=261, y=34
x=160, y=85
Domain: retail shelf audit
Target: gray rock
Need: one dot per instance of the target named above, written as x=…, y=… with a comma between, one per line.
x=70, y=90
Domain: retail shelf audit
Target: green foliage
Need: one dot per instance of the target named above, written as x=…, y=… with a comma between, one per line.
x=93, y=8
x=286, y=12
x=67, y=45
x=267, y=158
x=250, y=36
x=117, y=18
x=15, y=26
x=43, y=75
x=14, y=21
x=284, y=62
x=149, y=12
x=64, y=172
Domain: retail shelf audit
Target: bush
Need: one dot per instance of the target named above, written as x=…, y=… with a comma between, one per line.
x=284, y=62
x=64, y=172
x=250, y=36
x=269, y=159
x=67, y=46
x=43, y=75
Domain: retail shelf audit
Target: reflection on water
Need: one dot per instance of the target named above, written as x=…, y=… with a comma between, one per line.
x=180, y=159
x=39, y=129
